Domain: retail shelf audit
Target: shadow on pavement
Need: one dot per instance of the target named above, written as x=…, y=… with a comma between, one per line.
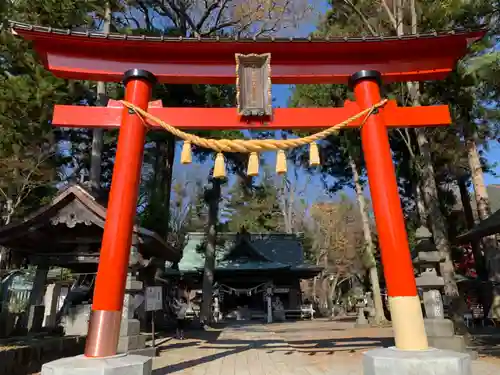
x=233, y=346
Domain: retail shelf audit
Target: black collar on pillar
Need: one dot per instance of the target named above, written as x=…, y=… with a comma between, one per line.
x=365, y=75
x=139, y=74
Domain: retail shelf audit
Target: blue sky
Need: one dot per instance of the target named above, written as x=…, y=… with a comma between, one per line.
x=281, y=95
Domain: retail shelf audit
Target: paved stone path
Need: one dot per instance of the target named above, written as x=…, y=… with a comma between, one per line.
x=299, y=348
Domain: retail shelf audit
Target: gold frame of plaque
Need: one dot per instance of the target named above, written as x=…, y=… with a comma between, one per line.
x=253, y=85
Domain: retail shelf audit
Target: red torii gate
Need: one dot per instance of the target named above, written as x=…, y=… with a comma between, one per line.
x=141, y=61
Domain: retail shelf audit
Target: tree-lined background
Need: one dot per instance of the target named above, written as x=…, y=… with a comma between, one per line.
x=437, y=169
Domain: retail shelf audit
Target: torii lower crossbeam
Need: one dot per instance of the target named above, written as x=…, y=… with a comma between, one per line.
x=227, y=118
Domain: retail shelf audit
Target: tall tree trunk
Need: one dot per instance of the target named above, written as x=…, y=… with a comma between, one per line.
x=369, y=248
x=465, y=199
x=161, y=184
x=212, y=196
x=485, y=294
x=166, y=180
x=97, y=145
x=315, y=281
x=169, y=170
x=490, y=246
x=439, y=233
x=469, y=220
x=429, y=188
x=436, y=218
x=98, y=134
x=476, y=170
x=331, y=292
x=421, y=209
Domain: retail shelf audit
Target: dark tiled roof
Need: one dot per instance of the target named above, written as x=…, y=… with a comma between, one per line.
x=280, y=251
x=115, y=36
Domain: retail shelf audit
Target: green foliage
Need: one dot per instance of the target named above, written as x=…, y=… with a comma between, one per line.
x=332, y=149
x=257, y=209
x=30, y=162
x=469, y=91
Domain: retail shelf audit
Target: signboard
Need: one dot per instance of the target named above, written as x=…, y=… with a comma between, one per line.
x=154, y=298
x=253, y=85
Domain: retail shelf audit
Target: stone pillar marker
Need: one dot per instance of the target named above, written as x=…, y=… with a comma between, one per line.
x=34, y=315
x=269, y=302
x=50, y=300
x=216, y=309
x=433, y=304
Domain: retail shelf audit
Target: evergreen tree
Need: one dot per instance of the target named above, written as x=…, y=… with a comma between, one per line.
x=31, y=160
x=257, y=209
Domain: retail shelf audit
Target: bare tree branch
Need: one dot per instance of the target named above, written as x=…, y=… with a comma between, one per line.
x=390, y=14
x=361, y=15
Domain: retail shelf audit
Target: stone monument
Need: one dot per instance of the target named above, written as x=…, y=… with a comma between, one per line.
x=268, y=295
x=440, y=331
x=131, y=340
x=361, y=304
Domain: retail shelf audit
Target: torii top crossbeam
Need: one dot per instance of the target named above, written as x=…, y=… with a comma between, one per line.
x=104, y=57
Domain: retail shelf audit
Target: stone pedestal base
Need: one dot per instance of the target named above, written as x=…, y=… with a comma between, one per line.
x=392, y=361
x=76, y=322
x=453, y=343
x=131, y=340
x=121, y=364
x=441, y=335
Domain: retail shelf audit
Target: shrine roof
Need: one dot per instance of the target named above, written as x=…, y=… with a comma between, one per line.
x=256, y=252
x=486, y=227
x=98, y=56
x=72, y=223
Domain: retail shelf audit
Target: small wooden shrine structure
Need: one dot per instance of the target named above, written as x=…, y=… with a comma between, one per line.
x=68, y=232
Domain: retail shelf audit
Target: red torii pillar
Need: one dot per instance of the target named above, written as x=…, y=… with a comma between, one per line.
x=404, y=302
x=109, y=289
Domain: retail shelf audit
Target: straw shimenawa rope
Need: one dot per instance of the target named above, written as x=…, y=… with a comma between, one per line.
x=251, y=146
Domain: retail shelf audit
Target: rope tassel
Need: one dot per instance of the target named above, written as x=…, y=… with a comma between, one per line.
x=248, y=146
x=314, y=160
x=281, y=162
x=186, y=153
x=220, y=166
x=253, y=164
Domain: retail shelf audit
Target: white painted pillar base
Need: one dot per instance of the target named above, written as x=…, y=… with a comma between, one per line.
x=408, y=323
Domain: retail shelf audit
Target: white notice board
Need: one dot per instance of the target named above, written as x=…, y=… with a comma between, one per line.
x=154, y=298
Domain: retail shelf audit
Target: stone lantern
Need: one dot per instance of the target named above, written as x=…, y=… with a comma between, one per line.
x=440, y=331
x=361, y=304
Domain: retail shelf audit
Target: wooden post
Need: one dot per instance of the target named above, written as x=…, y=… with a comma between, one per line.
x=406, y=312
x=104, y=326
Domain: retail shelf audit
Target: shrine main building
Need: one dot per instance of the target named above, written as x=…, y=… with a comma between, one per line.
x=248, y=267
